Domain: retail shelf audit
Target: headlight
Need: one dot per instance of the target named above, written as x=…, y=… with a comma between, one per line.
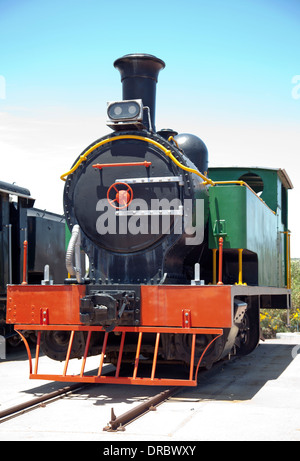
x=125, y=110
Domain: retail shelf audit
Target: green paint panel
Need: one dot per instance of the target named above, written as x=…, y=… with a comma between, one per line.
x=244, y=221
x=262, y=180
x=67, y=236
x=227, y=218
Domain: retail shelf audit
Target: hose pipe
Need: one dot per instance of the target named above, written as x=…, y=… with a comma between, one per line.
x=74, y=249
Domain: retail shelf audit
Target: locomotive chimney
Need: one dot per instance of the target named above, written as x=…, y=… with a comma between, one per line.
x=139, y=74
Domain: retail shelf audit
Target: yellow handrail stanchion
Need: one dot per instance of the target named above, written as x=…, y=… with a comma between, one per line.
x=288, y=261
x=288, y=257
x=240, y=282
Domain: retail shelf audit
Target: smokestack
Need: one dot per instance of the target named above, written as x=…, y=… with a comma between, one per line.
x=139, y=74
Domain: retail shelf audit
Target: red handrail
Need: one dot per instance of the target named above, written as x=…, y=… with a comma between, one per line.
x=220, y=260
x=106, y=165
x=25, y=263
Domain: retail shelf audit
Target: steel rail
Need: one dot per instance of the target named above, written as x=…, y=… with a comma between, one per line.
x=30, y=404
x=23, y=407
x=118, y=423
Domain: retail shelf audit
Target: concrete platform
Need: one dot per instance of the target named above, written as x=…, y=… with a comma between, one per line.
x=252, y=398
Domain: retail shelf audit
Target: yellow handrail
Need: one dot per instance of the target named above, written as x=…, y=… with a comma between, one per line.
x=166, y=151
x=243, y=183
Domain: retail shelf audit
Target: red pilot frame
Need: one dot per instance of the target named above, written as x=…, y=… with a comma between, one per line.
x=188, y=310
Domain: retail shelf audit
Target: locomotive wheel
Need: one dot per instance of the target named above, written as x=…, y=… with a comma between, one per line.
x=248, y=336
x=55, y=344
x=244, y=333
x=14, y=340
x=183, y=344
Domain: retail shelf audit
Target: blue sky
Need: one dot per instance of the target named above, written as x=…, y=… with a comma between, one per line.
x=228, y=79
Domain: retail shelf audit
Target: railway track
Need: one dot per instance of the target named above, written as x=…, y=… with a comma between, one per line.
x=116, y=423
x=119, y=423
x=21, y=408
x=236, y=389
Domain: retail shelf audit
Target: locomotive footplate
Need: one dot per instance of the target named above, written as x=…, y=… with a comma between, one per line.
x=111, y=306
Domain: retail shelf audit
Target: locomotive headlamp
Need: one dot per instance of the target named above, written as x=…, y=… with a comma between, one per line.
x=125, y=110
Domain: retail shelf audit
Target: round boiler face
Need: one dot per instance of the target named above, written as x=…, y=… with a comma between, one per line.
x=120, y=198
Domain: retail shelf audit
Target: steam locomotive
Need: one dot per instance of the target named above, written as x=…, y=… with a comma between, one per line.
x=44, y=233
x=181, y=258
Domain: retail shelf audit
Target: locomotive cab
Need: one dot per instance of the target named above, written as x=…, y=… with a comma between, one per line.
x=257, y=223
